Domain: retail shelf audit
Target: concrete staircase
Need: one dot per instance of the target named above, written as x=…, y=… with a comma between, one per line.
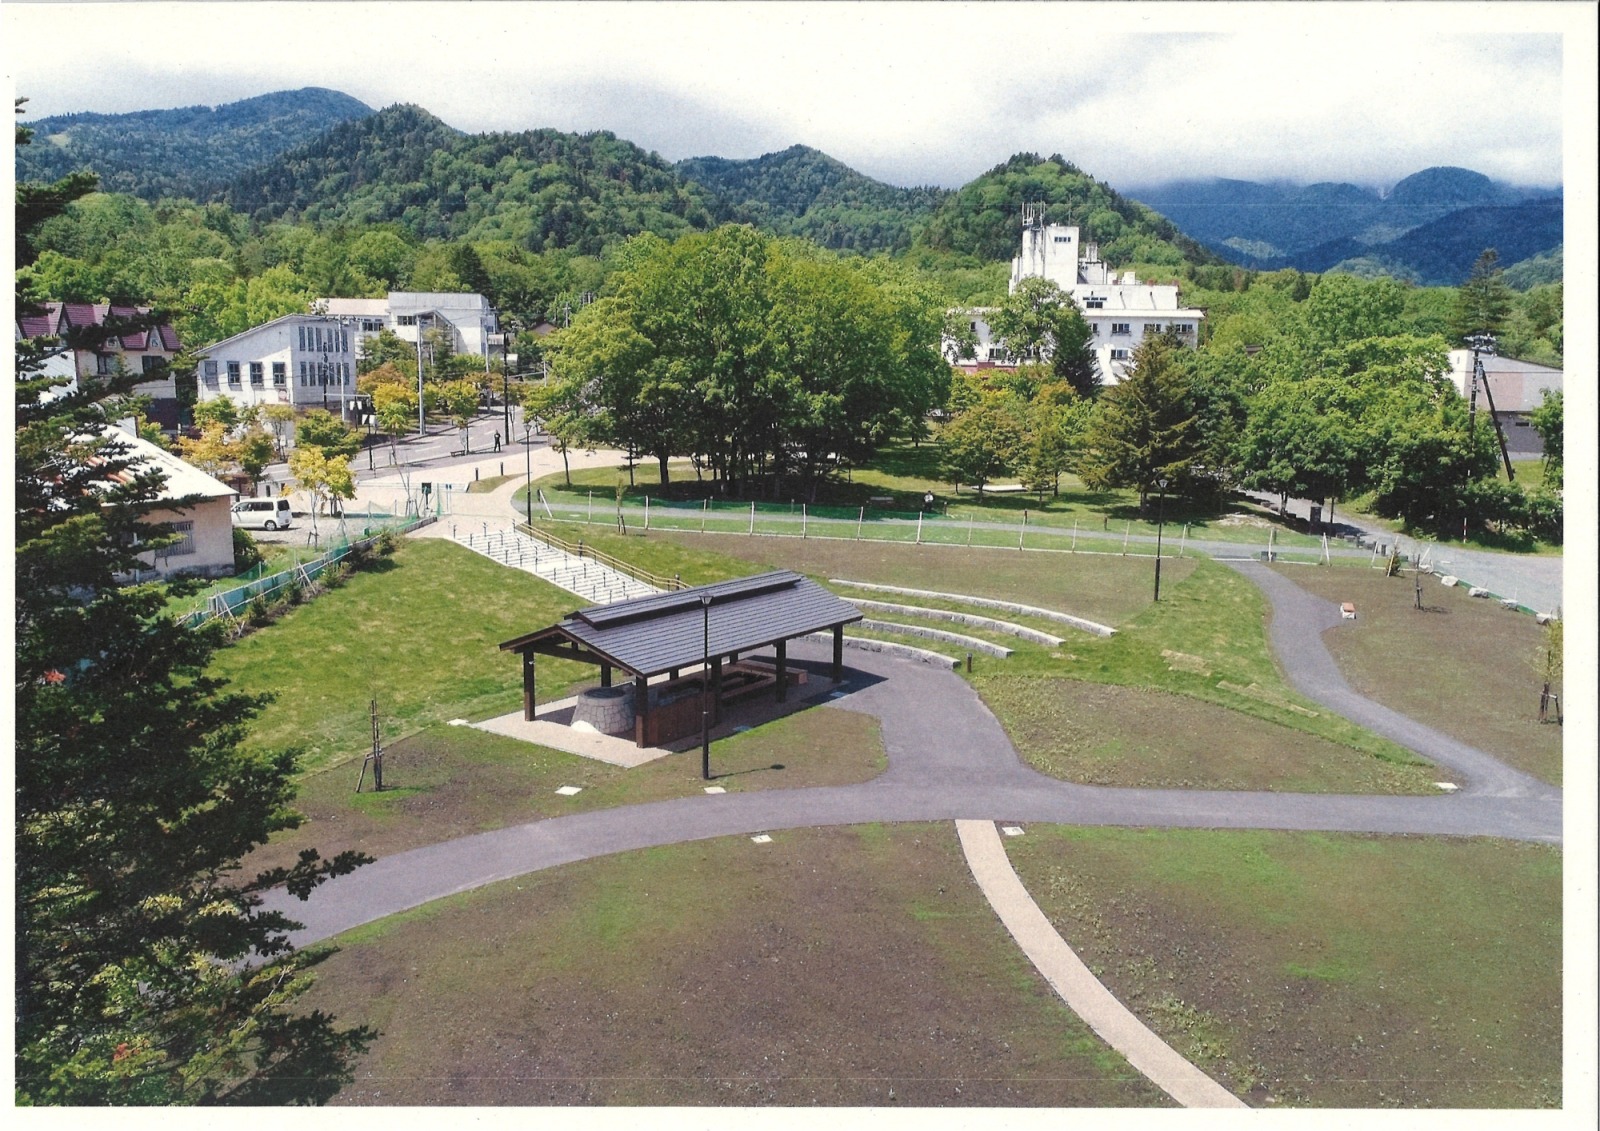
x=595, y=582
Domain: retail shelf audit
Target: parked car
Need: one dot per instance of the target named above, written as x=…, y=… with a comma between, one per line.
x=263, y=514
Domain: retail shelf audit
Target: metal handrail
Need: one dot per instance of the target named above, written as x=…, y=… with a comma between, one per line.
x=579, y=550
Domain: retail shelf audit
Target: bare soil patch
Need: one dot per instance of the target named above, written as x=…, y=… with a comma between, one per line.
x=448, y=782
x=1102, y=734
x=840, y=966
x=1323, y=970
x=1101, y=587
x=1462, y=665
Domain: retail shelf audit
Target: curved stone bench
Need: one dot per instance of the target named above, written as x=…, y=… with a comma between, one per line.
x=986, y=603
x=972, y=620
x=970, y=643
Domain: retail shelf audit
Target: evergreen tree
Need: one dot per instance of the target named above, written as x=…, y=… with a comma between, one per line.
x=1145, y=429
x=146, y=971
x=1484, y=301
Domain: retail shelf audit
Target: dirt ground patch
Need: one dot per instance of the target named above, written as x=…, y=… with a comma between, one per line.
x=450, y=782
x=839, y=966
x=1323, y=970
x=1101, y=734
x=1464, y=666
x=1101, y=587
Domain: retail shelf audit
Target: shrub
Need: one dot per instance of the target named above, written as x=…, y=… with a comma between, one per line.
x=257, y=611
x=246, y=554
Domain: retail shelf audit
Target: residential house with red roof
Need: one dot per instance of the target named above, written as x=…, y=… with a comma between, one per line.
x=87, y=353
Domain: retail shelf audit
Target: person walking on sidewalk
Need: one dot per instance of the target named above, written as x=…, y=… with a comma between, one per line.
x=497, y=441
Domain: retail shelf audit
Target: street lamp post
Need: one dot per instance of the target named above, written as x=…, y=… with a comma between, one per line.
x=1161, y=518
x=527, y=460
x=705, y=689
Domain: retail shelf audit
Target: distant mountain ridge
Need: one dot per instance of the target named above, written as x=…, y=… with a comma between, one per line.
x=1417, y=230
x=802, y=191
x=184, y=152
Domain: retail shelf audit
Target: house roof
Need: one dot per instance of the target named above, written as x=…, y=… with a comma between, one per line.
x=650, y=635
x=182, y=479
x=1517, y=386
x=59, y=317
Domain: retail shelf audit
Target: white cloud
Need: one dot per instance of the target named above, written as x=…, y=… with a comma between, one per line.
x=908, y=92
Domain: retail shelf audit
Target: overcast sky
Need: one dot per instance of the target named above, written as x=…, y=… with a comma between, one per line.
x=910, y=93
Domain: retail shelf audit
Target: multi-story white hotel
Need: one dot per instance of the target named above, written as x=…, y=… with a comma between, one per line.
x=1121, y=311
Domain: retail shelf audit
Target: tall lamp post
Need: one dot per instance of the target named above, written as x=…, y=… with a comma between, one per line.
x=705, y=689
x=527, y=460
x=1161, y=519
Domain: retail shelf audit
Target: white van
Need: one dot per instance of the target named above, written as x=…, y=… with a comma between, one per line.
x=263, y=514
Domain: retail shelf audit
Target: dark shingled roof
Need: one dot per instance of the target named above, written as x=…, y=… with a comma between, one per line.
x=651, y=635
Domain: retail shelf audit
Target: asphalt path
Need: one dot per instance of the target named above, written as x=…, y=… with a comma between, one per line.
x=949, y=759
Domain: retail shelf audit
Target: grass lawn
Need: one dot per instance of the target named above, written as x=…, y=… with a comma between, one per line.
x=835, y=966
x=1205, y=640
x=1122, y=736
x=1464, y=666
x=449, y=782
x=1323, y=970
x=420, y=633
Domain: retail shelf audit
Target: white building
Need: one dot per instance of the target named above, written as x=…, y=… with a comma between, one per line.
x=204, y=526
x=304, y=360
x=1120, y=310
x=1517, y=388
x=468, y=319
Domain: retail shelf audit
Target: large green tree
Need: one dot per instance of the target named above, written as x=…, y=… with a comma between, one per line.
x=1145, y=428
x=1039, y=322
x=1484, y=301
x=146, y=970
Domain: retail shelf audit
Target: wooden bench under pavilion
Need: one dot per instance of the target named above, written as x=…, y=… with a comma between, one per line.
x=667, y=632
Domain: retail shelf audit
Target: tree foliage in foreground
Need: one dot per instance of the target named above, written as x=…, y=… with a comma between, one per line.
x=146, y=971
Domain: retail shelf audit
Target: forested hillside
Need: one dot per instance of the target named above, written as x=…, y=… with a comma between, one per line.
x=982, y=218
x=542, y=189
x=185, y=152
x=804, y=192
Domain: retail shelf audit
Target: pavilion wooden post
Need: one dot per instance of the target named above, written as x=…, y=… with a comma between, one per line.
x=838, y=653
x=605, y=675
x=641, y=706
x=527, y=685
x=783, y=676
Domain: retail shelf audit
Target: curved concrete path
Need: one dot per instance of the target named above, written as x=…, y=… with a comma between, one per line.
x=1072, y=980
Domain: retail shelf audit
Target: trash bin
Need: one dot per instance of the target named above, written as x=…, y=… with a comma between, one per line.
x=1316, y=517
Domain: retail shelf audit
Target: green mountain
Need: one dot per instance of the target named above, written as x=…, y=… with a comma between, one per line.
x=180, y=153
x=804, y=192
x=981, y=219
x=542, y=189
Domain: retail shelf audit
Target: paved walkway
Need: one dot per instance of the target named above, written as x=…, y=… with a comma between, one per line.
x=1071, y=979
x=949, y=759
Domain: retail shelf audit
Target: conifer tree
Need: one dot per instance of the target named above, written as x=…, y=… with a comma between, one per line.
x=1145, y=429
x=146, y=971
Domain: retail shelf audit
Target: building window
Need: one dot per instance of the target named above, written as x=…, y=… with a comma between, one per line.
x=371, y=325
x=1094, y=328
x=105, y=364
x=1095, y=302
x=1063, y=239
x=280, y=373
x=233, y=374
x=1122, y=328
x=184, y=530
x=1183, y=327
x=1119, y=355
x=406, y=320
x=152, y=366
x=302, y=335
x=210, y=374
x=258, y=374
